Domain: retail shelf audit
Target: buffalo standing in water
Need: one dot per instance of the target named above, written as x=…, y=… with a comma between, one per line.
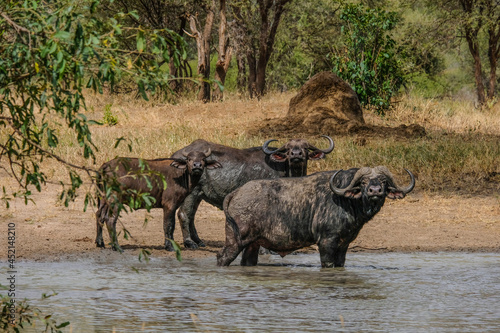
x=181, y=175
x=326, y=208
x=239, y=167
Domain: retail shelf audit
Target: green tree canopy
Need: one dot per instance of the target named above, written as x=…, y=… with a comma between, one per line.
x=50, y=51
x=367, y=57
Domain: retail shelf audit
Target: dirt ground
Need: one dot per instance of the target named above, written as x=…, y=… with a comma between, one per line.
x=48, y=231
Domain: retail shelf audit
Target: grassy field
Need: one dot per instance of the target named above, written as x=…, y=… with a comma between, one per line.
x=460, y=152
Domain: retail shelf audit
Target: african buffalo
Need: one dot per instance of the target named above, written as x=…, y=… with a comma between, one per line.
x=241, y=166
x=135, y=176
x=326, y=208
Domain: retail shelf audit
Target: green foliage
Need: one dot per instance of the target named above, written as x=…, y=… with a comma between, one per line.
x=177, y=249
x=306, y=35
x=26, y=316
x=50, y=51
x=367, y=58
x=109, y=118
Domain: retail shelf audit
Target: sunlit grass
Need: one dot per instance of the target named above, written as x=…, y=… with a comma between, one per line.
x=461, y=146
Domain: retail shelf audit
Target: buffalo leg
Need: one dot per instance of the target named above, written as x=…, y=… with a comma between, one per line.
x=186, y=213
x=111, y=225
x=168, y=226
x=339, y=257
x=330, y=254
x=227, y=255
x=194, y=234
x=231, y=249
x=250, y=255
x=100, y=217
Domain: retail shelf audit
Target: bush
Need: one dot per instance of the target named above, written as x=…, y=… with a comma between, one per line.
x=109, y=118
x=367, y=59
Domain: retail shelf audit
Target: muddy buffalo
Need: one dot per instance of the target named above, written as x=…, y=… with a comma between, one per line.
x=326, y=208
x=239, y=167
x=134, y=176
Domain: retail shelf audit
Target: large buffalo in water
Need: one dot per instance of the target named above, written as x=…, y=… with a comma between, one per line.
x=167, y=180
x=239, y=167
x=326, y=208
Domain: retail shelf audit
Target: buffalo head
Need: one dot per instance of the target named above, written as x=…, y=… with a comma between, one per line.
x=195, y=162
x=372, y=183
x=297, y=152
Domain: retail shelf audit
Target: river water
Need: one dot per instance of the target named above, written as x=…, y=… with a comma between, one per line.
x=375, y=292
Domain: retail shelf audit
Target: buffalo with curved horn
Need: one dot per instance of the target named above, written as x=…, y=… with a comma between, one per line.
x=296, y=153
x=326, y=208
x=239, y=167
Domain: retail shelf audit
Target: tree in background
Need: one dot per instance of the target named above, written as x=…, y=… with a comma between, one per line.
x=50, y=51
x=202, y=33
x=164, y=17
x=479, y=18
x=310, y=30
x=257, y=28
x=224, y=54
x=367, y=57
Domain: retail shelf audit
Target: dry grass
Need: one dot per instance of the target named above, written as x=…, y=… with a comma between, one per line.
x=460, y=153
x=445, y=115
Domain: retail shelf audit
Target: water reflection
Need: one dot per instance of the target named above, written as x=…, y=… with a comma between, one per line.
x=375, y=292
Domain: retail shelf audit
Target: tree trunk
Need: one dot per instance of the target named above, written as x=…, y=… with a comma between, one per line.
x=176, y=85
x=203, y=47
x=224, y=58
x=241, y=78
x=478, y=75
x=257, y=49
x=252, y=75
x=472, y=28
x=493, y=74
x=493, y=49
x=266, y=40
x=241, y=43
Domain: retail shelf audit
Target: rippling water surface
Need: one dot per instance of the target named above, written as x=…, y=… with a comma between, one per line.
x=390, y=292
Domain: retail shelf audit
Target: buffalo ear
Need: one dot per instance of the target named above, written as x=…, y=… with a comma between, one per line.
x=213, y=165
x=392, y=193
x=355, y=194
x=179, y=164
x=278, y=157
x=316, y=155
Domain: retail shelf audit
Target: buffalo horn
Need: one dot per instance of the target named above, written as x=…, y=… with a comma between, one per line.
x=326, y=151
x=341, y=191
x=265, y=147
x=410, y=187
x=332, y=145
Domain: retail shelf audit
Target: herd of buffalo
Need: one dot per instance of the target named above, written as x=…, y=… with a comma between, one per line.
x=265, y=192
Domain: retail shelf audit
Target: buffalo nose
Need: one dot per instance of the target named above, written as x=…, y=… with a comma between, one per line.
x=197, y=165
x=296, y=153
x=375, y=190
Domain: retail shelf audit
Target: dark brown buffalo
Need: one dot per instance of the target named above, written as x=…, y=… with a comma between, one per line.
x=239, y=167
x=326, y=208
x=181, y=175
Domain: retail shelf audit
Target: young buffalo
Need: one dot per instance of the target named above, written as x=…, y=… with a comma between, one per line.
x=135, y=177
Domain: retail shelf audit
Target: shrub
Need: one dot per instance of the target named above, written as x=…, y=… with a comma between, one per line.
x=367, y=59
